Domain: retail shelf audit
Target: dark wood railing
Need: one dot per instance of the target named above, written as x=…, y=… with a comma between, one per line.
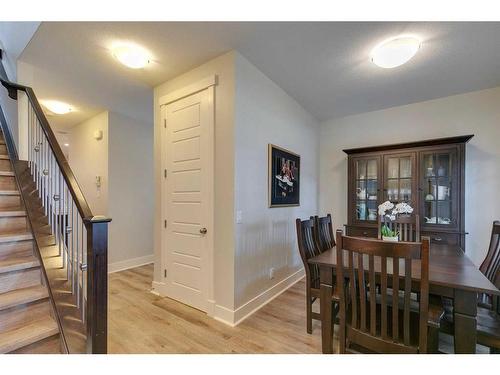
x=81, y=237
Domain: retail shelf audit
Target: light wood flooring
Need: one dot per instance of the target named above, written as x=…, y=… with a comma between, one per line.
x=140, y=322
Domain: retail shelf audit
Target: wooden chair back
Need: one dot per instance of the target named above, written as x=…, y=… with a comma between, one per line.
x=307, y=249
x=323, y=232
x=491, y=264
x=363, y=304
x=407, y=226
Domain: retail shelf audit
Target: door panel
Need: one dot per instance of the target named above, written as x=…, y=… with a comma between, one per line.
x=188, y=144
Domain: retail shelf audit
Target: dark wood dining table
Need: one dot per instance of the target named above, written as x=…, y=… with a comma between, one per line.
x=451, y=274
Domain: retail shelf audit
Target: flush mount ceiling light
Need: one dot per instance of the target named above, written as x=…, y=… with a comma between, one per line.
x=131, y=55
x=395, y=51
x=55, y=107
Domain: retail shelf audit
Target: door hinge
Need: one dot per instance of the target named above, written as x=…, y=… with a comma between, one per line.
x=165, y=123
x=165, y=223
x=165, y=273
x=165, y=173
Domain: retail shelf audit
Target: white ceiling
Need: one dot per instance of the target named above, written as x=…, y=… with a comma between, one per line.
x=324, y=66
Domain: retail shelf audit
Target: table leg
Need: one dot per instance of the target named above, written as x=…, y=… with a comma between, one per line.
x=326, y=291
x=464, y=316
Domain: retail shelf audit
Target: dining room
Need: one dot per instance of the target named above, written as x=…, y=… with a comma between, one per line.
x=340, y=197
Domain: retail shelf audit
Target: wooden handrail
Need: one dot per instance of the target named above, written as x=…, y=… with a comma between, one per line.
x=69, y=177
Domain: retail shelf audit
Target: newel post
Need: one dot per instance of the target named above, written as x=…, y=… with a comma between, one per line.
x=97, y=284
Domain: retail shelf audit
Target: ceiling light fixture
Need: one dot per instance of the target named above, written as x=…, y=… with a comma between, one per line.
x=395, y=51
x=56, y=107
x=131, y=55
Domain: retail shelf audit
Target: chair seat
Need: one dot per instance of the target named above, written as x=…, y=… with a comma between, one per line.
x=488, y=324
x=315, y=292
x=435, y=314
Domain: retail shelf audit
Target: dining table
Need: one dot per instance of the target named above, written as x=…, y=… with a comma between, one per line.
x=451, y=274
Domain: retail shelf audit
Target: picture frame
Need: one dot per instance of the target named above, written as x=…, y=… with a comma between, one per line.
x=283, y=177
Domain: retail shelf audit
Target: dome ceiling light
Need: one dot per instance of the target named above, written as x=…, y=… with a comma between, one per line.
x=131, y=55
x=395, y=51
x=56, y=107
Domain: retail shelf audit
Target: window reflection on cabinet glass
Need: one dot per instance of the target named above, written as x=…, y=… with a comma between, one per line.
x=393, y=168
x=405, y=168
x=399, y=179
x=366, y=189
x=437, y=188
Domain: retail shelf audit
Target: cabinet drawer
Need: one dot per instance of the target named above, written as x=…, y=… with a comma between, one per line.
x=443, y=238
x=362, y=232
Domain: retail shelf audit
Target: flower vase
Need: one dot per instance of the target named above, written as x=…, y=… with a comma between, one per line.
x=390, y=239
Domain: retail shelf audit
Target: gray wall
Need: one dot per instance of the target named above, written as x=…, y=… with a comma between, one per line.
x=131, y=193
x=472, y=113
x=266, y=238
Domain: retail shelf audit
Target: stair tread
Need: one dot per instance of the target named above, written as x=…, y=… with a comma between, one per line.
x=18, y=263
x=7, y=173
x=28, y=334
x=22, y=296
x=4, y=157
x=10, y=192
x=12, y=211
x=21, y=236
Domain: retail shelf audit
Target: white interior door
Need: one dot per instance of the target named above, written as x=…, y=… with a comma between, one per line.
x=188, y=190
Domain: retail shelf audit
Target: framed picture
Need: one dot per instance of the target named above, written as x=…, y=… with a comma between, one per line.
x=284, y=177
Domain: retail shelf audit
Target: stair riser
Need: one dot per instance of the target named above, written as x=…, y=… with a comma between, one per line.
x=8, y=183
x=9, y=201
x=22, y=314
x=50, y=345
x=16, y=249
x=13, y=224
x=19, y=279
x=5, y=165
x=3, y=150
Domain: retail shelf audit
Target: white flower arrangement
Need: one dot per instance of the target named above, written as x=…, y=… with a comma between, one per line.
x=391, y=212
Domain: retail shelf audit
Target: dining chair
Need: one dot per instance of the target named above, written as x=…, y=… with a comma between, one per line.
x=308, y=249
x=372, y=320
x=488, y=307
x=408, y=227
x=323, y=232
x=491, y=264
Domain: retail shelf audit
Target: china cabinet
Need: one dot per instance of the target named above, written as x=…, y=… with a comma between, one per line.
x=429, y=175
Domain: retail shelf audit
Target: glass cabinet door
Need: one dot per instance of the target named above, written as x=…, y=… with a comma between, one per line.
x=438, y=186
x=366, y=188
x=399, y=178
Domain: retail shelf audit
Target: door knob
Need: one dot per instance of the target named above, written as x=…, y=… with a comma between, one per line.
x=203, y=230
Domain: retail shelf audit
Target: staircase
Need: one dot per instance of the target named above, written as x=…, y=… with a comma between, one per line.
x=27, y=323
x=53, y=250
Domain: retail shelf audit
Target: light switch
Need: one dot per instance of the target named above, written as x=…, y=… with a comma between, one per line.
x=239, y=217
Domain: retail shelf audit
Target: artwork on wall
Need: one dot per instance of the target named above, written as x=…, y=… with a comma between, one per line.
x=284, y=177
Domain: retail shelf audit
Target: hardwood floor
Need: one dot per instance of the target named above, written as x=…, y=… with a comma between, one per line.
x=140, y=322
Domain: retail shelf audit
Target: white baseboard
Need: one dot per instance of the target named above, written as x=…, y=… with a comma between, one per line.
x=234, y=317
x=130, y=263
x=244, y=311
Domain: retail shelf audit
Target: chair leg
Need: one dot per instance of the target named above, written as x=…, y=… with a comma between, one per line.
x=432, y=340
x=309, y=311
